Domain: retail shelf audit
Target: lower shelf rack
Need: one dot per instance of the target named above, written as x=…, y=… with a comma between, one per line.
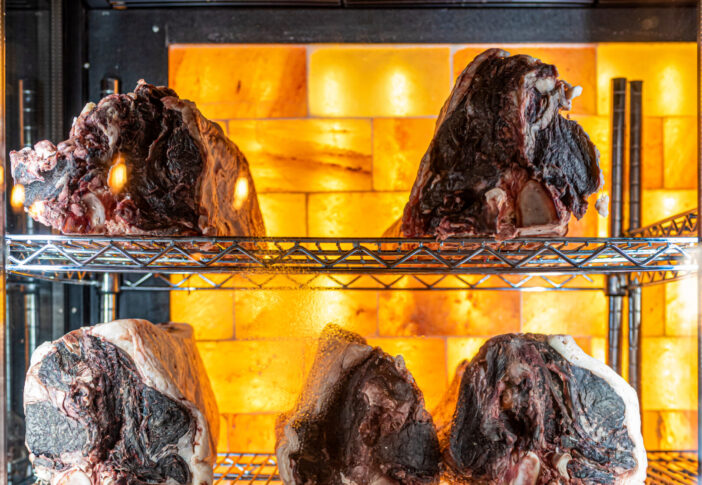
x=664, y=467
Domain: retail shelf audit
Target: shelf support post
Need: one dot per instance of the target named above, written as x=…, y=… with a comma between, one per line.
x=615, y=283
x=635, y=210
x=699, y=240
x=109, y=289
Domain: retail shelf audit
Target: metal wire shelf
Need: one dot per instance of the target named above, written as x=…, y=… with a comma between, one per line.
x=664, y=467
x=680, y=225
x=327, y=263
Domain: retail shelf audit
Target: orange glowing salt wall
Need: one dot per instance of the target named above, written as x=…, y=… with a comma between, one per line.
x=334, y=135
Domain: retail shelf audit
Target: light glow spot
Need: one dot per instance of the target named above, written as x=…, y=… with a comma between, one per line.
x=670, y=204
x=332, y=93
x=117, y=177
x=672, y=96
x=241, y=192
x=17, y=196
x=399, y=92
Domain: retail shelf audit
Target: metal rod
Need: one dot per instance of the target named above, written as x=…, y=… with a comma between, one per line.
x=635, y=336
x=635, y=177
x=635, y=137
x=699, y=239
x=615, y=286
x=56, y=70
x=4, y=321
x=110, y=281
x=27, y=128
x=618, y=153
x=28, y=112
x=108, y=297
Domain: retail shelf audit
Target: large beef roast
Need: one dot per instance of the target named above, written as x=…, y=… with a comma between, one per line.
x=121, y=402
x=359, y=420
x=535, y=409
x=183, y=175
x=503, y=162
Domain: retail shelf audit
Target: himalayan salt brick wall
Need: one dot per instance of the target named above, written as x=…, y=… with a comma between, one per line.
x=334, y=135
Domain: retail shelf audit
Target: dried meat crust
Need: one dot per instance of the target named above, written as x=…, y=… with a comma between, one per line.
x=535, y=409
x=503, y=162
x=360, y=419
x=121, y=402
x=183, y=175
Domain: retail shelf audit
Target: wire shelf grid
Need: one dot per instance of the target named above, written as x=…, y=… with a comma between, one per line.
x=679, y=225
x=327, y=263
x=664, y=467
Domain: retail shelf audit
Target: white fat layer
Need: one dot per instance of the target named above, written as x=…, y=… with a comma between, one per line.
x=495, y=196
x=44, y=150
x=566, y=346
x=561, y=463
x=545, y=84
x=528, y=470
x=73, y=476
x=96, y=210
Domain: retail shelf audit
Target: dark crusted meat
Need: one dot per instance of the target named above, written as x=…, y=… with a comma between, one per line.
x=183, y=175
x=535, y=409
x=503, y=162
x=122, y=402
x=359, y=420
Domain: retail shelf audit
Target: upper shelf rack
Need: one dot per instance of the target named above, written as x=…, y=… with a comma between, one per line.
x=344, y=263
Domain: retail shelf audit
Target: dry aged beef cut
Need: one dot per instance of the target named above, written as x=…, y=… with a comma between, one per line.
x=503, y=162
x=121, y=402
x=360, y=420
x=183, y=175
x=535, y=409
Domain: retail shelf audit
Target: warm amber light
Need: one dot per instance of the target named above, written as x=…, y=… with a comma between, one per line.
x=332, y=96
x=241, y=192
x=117, y=178
x=36, y=209
x=399, y=92
x=669, y=203
x=17, y=196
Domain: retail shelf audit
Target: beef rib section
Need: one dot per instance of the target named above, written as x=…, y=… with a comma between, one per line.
x=142, y=163
x=121, y=402
x=360, y=419
x=535, y=409
x=503, y=162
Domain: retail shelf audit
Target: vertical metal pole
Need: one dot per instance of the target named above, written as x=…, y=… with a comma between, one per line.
x=4, y=369
x=56, y=69
x=108, y=297
x=634, y=294
x=28, y=126
x=615, y=287
x=110, y=281
x=699, y=239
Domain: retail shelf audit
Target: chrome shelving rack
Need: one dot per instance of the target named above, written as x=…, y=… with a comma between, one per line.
x=620, y=266
x=332, y=264
x=665, y=467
